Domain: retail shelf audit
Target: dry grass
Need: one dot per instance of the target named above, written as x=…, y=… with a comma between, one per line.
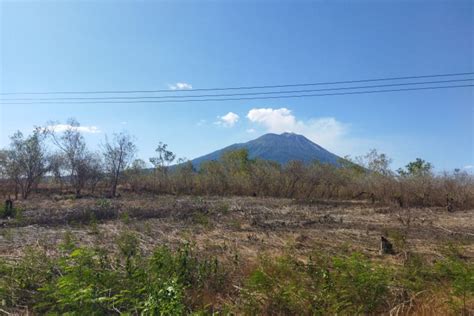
x=249, y=226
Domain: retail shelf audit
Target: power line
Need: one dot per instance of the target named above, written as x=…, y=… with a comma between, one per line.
x=240, y=88
x=238, y=94
x=250, y=98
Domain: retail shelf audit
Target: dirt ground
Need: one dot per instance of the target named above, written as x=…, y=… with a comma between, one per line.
x=246, y=226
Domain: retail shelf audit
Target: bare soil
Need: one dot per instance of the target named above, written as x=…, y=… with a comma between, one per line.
x=244, y=226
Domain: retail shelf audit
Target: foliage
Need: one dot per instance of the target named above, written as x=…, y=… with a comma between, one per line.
x=419, y=167
x=96, y=281
x=460, y=276
x=346, y=285
x=25, y=162
x=93, y=281
x=368, y=177
x=16, y=212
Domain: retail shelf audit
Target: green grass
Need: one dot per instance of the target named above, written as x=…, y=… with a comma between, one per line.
x=98, y=281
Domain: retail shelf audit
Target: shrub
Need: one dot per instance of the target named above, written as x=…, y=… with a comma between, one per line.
x=339, y=285
x=459, y=274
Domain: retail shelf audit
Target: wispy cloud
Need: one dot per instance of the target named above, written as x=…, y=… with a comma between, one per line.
x=227, y=120
x=180, y=86
x=83, y=129
x=469, y=167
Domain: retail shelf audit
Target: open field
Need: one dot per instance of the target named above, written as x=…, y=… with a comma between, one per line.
x=244, y=230
x=251, y=225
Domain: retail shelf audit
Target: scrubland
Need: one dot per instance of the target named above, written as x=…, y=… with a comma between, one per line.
x=101, y=233
x=168, y=254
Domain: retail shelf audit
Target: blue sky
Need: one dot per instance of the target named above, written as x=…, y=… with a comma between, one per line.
x=105, y=45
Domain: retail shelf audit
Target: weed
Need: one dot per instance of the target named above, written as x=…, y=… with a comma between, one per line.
x=103, y=204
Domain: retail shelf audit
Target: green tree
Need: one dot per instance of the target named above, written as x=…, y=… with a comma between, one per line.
x=161, y=162
x=25, y=161
x=419, y=167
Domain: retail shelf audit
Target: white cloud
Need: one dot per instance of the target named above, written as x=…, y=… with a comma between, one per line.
x=275, y=120
x=227, y=120
x=325, y=131
x=251, y=130
x=64, y=127
x=180, y=86
x=468, y=167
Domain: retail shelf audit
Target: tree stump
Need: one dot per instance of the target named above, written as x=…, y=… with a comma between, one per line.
x=449, y=204
x=386, y=247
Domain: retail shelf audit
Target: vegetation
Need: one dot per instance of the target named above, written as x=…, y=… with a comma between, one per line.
x=67, y=185
x=27, y=162
x=97, y=281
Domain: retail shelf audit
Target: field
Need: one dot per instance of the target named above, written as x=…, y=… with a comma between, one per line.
x=249, y=234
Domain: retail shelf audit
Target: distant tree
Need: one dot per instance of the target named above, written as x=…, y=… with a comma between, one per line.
x=419, y=167
x=135, y=173
x=8, y=174
x=294, y=172
x=25, y=162
x=118, y=153
x=379, y=163
x=183, y=176
x=164, y=158
x=213, y=178
x=73, y=147
x=265, y=177
x=57, y=166
x=236, y=161
x=162, y=161
x=95, y=171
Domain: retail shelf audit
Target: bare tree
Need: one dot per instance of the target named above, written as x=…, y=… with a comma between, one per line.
x=25, y=161
x=118, y=155
x=72, y=144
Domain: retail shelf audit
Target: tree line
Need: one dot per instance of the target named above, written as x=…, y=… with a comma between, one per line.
x=61, y=160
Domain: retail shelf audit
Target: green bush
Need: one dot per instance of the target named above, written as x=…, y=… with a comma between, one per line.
x=360, y=286
x=339, y=285
x=16, y=212
x=459, y=274
x=93, y=281
x=103, y=204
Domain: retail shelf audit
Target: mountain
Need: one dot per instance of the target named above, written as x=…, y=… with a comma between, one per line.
x=280, y=148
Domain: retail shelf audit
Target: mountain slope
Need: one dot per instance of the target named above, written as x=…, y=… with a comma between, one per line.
x=280, y=148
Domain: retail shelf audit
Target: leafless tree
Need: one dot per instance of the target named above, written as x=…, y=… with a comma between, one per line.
x=118, y=154
x=73, y=146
